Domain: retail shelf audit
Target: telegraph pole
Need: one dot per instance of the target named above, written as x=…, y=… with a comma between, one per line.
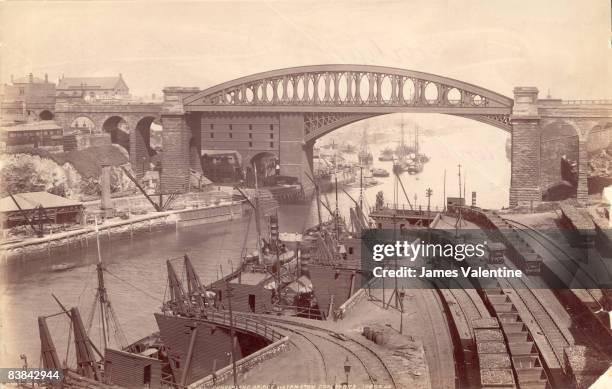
x=428, y=193
x=459, y=174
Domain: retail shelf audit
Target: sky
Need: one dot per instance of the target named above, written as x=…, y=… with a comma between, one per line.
x=562, y=46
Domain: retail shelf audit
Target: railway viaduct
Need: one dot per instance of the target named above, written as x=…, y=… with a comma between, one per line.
x=282, y=112
x=111, y=118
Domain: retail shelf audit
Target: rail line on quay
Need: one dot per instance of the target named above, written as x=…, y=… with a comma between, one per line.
x=357, y=352
x=555, y=336
x=314, y=345
x=535, y=234
x=437, y=380
x=549, y=337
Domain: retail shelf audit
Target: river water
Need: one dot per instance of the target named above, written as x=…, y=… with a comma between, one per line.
x=137, y=268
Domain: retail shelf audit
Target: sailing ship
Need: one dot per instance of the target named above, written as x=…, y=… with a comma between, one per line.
x=386, y=155
x=198, y=324
x=410, y=158
x=365, y=156
x=331, y=167
x=403, y=149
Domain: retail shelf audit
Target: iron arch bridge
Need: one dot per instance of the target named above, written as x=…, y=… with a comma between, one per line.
x=342, y=94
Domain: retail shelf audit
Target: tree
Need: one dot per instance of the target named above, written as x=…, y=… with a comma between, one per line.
x=18, y=176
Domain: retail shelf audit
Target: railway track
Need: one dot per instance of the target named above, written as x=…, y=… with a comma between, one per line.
x=557, y=338
x=551, y=246
x=374, y=366
x=305, y=338
x=440, y=376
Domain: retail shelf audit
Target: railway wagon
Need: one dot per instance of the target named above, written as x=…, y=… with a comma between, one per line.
x=493, y=359
x=517, y=249
x=495, y=252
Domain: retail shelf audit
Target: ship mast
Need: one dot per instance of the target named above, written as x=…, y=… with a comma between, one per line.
x=257, y=219
x=402, y=145
x=102, y=297
x=107, y=314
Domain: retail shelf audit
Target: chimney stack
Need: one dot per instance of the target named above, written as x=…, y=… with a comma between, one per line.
x=46, y=77
x=105, y=200
x=31, y=78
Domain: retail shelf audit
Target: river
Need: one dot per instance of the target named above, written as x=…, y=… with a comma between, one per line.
x=136, y=279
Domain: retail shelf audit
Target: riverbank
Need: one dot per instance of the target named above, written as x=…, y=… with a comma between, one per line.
x=117, y=229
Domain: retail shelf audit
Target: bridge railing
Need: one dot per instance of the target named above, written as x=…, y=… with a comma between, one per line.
x=580, y=102
x=244, y=323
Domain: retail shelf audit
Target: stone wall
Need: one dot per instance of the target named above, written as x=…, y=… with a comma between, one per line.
x=556, y=140
x=175, y=165
x=243, y=365
x=525, y=156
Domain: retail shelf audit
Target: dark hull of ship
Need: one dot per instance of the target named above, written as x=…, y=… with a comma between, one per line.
x=327, y=183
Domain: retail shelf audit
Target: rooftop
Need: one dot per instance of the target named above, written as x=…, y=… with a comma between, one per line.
x=31, y=200
x=90, y=82
x=33, y=126
x=29, y=79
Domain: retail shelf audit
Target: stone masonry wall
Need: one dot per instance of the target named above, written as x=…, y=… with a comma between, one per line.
x=556, y=141
x=175, y=162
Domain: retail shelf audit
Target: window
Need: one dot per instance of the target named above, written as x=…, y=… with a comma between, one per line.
x=252, y=302
x=212, y=126
x=231, y=135
x=271, y=144
x=250, y=127
x=231, y=127
x=350, y=250
x=250, y=144
x=271, y=136
x=250, y=136
x=271, y=127
x=21, y=91
x=212, y=134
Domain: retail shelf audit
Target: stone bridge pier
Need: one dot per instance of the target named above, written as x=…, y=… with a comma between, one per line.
x=547, y=131
x=525, y=186
x=186, y=136
x=281, y=113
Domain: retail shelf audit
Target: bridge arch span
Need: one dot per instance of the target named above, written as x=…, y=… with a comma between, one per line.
x=353, y=89
x=119, y=130
x=45, y=114
x=290, y=108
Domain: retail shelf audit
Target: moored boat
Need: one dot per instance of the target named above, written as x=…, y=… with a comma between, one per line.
x=379, y=172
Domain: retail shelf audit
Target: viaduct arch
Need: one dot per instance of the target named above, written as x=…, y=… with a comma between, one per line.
x=282, y=112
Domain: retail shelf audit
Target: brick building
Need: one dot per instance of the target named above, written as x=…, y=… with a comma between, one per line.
x=39, y=207
x=26, y=99
x=92, y=89
x=41, y=134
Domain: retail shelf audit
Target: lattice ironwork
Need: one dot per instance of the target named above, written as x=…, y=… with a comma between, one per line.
x=318, y=124
x=348, y=86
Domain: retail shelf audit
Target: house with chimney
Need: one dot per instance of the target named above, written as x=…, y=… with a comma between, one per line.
x=27, y=99
x=74, y=89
